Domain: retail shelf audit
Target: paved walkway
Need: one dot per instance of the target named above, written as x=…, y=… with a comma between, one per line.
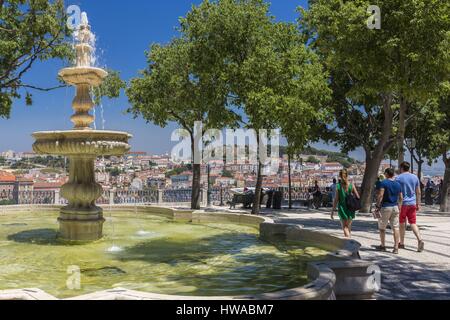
x=409, y=275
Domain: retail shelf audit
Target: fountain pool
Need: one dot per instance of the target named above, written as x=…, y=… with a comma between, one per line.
x=152, y=254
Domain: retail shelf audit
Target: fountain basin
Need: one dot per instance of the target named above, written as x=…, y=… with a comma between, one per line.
x=186, y=254
x=82, y=142
x=83, y=75
x=319, y=279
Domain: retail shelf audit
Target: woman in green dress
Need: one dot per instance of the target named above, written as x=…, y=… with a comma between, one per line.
x=343, y=189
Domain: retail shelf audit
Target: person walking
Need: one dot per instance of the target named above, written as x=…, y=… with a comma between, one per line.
x=410, y=186
x=333, y=188
x=343, y=190
x=317, y=195
x=389, y=202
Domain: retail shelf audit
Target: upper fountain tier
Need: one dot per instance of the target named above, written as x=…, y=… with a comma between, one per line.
x=83, y=73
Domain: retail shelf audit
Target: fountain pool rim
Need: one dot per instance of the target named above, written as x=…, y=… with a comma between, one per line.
x=323, y=279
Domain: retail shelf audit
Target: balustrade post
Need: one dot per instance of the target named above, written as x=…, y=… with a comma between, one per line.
x=159, y=200
x=57, y=197
x=221, y=197
x=111, y=196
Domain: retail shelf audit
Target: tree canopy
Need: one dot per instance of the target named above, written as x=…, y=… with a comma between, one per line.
x=30, y=31
x=376, y=74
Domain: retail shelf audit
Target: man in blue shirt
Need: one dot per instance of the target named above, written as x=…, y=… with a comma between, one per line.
x=389, y=201
x=411, y=204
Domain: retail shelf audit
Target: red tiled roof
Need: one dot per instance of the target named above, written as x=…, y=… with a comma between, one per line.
x=47, y=185
x=7, y=177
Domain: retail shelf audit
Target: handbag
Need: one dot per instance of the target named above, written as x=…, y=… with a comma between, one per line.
x=353, y=203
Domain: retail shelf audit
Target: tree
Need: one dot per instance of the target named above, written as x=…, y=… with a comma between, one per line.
x=174, y=89
x=438, y=138
x=375, y=74
x=30, y=31
x=21, y=49
x=420, y=129
x=417, y=37
x=110, y=88
x=354, y=117
x=270, y=74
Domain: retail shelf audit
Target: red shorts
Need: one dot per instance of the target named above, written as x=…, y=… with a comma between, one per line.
x=409, y=212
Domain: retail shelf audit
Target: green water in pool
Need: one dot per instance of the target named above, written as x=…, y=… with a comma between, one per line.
x=148, y=253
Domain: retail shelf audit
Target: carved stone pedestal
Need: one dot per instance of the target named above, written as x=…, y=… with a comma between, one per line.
x=81, y=220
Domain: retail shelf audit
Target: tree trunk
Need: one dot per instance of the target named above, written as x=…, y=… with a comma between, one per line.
x=195, y=201
x=196, y=180
x=401, y=130
x=375, y=157
x=290, y=181
x=369, y=180
x=445, y=193
x=420, y=162
x=259, y=181
x=419, y=168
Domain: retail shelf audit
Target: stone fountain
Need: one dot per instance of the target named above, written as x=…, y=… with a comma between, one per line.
x=81, y=219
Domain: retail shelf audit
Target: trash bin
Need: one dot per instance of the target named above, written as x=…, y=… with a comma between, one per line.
x=277, y=200
x=269, y=199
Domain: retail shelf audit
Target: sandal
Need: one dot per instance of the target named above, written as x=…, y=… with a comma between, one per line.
x=381, y=248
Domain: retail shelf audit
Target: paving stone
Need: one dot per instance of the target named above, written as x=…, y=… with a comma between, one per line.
x=409, y=275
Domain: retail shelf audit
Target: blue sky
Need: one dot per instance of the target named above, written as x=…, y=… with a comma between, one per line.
x=124, y=30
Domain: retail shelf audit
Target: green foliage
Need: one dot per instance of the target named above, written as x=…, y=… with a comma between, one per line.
x=178, y=170
x=51, y=171
x=232, y=59
x=433, y=134
x=48, y=161
x=22, y=165
x=409, y=55
x=114, y=172
x=407, y=58
x=110, y=88
x=227, y=174
x=30, y=31
x=332, y=156
x=312, y=159
x=7, y=202
x=170, y=90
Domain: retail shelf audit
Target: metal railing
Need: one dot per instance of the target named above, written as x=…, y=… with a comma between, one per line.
x=218, y=196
